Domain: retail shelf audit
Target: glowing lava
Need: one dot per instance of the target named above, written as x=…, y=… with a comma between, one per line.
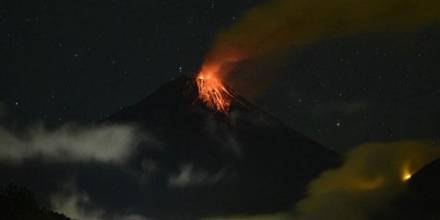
x=406, y=174
x=212, y=91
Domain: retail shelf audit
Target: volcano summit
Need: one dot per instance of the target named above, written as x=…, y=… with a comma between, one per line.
x=210, y=163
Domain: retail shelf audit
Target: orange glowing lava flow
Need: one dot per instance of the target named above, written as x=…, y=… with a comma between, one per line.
x=212, y=92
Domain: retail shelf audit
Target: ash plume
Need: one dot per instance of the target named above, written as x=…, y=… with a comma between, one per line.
x=273, y=28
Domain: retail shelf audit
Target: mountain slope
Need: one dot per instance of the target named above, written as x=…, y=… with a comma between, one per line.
x=210, y=163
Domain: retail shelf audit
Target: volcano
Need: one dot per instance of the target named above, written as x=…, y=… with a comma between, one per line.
x=421, y=199
x=209, y=163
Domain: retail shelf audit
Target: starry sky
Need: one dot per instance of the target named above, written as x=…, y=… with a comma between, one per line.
x=68, y=61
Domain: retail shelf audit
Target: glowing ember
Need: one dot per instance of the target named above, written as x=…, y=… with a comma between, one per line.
x=212, y=91
x=406, y=174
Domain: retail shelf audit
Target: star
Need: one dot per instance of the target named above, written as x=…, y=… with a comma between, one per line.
x=179, y=68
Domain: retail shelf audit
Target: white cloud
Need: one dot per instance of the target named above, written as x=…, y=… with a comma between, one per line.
x=73, y=204
x=70, y=205
x=105, y=143
x=188, y=176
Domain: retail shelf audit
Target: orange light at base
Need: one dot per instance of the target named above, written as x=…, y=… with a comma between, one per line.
x=212, y=91
x=406, y=174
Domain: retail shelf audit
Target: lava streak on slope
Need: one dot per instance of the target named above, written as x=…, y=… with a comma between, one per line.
x=212, y=91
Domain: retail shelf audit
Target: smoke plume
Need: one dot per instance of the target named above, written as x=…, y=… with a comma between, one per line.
x=279, y=25
x=372, y=175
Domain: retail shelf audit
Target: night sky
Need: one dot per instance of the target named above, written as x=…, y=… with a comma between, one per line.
x=99, y=119
x=64, y=61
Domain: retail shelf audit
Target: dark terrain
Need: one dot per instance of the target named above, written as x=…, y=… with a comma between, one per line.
x=17, y=203
x=261, y=164
x=196, y=163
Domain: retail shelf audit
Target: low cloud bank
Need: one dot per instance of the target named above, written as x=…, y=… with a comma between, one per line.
x=77, y=205
x=104, y=143
x=373, y=174
x=111, y=145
